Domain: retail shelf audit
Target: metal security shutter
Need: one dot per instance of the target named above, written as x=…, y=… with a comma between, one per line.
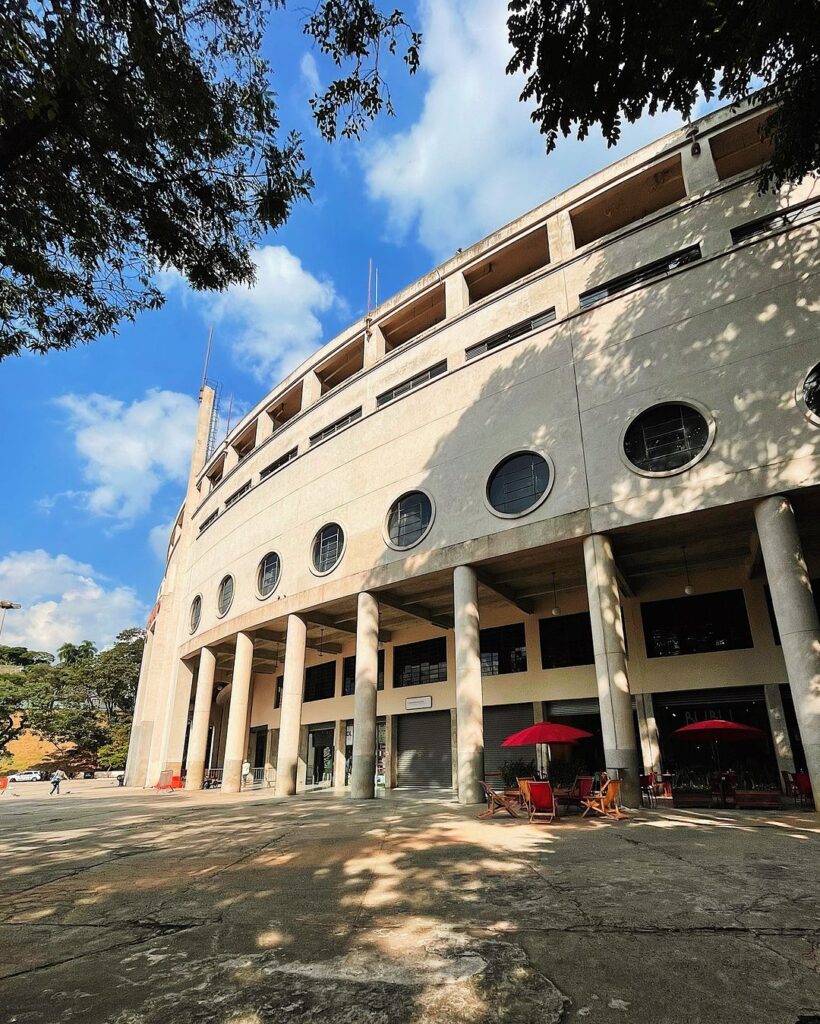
x=687, y=698
x=499, y=723
x=425, y=758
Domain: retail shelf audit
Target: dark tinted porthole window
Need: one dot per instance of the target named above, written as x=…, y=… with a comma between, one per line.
x=270, y=569
x=409, y=519
x=224, y=597
x=196, y=613
x=327, y=547
x=666, y=438
x=811, y=391
x=518, y=483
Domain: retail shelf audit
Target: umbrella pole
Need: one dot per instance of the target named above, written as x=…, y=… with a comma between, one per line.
x=716, y=754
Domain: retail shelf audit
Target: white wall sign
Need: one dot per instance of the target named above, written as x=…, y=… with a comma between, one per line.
x=415, y=703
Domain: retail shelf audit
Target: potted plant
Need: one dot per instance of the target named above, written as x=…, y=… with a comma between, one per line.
x=691, y=788
x=757, y=790
x=517, y=769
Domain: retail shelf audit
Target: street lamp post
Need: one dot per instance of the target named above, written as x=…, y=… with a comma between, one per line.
x=6, y=605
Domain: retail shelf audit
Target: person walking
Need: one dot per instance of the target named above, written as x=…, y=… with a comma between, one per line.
x=56, y=779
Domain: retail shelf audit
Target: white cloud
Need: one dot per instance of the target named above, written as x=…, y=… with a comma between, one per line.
x=473, y=160
x=310, y=73
x=159, y=537
x=274, y=325
x=64, y=601
x=130, y=451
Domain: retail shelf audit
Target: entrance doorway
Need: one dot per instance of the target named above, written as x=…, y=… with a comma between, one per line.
x=320, y=757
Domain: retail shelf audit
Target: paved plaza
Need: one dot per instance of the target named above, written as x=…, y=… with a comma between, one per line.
x=141, y=908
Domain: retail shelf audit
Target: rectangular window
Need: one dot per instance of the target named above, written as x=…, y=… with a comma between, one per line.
x=414, y=318
x=207, y=522
x=349, y=675
x=336, y=426
x=280, y=685
x=238, y=494
x=420, y=663
x=503, y=650
x=700, y=624
x=792, y=217
x=656, y=269
x=283, y=460
x=502, y=267
x=320, y=681
x=412, y=383
x=518, y=330
x=566, y=640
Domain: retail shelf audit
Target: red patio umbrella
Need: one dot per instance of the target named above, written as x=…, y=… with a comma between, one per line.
x=719, y=729
x=546, y=732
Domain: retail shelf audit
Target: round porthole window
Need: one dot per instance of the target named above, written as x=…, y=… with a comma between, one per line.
x=667, y=438
x=519, y=483
x=811, y=393
x=328, y=546
x=409, y=519
x=224, y=597
x=270, y=569
x=196, y=613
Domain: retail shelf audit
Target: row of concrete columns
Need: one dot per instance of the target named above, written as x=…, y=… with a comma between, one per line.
x=794, y=610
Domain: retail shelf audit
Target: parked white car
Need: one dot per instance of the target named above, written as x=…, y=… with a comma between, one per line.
x=28, y=776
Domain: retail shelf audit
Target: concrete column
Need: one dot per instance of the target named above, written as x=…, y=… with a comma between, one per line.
x=797, y=620
x=176, y=721
x=456, y=294
x=198, y=739
x=780, y=731
x=291, y=714
x=374, y=345
x=311, y=389
x=236, y=740
x=363, y=775
x=139, y=747
x=620, y=745
x=390, y=755
x=469, y=702
x=339, y=734
x=648, y=728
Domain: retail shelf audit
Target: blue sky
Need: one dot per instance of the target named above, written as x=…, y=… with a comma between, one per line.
x=98, y=439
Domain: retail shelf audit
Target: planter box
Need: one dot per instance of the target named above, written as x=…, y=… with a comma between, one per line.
x=757, y=799
x=691, y=797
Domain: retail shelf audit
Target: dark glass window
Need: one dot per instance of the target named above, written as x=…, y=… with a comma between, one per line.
x=277, y=464
x=409, y=519
x=280, y=685
x=666, y=437
x=270, y=569
x=196, y=612
x=696, y=625
x=336, y=426
x=658, y=268
x=224, y=598
x=349, y=675
x=533, y=323
x=327, y=547
x=811, y=390
x=420, y=663
x=320, y=681
x=503, y=650
x=517, y=483
x=566, y=640
x=411, y=384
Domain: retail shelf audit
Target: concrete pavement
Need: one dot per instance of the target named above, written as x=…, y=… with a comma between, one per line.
x=125, y=907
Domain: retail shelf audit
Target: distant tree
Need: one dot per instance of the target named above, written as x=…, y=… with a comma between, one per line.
x=141, y=134
x=113, y=755
x=23, y=656
x=12, y=718
x=74, y=654
x=602, y=62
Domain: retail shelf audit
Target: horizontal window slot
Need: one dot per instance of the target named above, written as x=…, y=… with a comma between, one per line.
x=657, y=269
x=207, y=522
x=412, y=383
x=233, y=498
x=336, y=426
x=791, y=217
x=511, y=333
x=277, y=464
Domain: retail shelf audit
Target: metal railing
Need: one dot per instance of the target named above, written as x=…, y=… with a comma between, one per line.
x=259, y=778
x=212, y=778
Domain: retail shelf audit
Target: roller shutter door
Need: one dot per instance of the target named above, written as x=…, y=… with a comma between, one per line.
x=425, y=758
x=499, y=723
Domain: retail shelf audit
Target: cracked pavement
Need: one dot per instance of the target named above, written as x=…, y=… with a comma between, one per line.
x=127, y=907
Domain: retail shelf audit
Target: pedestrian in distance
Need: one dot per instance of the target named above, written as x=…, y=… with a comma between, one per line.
x=56, y=779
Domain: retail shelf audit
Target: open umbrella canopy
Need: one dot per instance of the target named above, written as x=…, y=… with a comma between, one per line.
x=546, y=732
x=719, y=729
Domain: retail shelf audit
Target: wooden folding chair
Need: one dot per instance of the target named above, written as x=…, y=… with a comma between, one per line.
x=606, y=802
x=540, y=799
x=496, y=802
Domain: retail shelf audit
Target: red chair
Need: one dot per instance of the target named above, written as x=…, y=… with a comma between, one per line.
x=802, y=786
x=540, y=800
x=648, y=789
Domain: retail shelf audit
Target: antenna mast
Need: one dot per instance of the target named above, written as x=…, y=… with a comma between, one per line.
x=207, y=357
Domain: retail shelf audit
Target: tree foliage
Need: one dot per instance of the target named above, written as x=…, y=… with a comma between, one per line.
x=142, y=134
x=23, y=656
x=602, y=62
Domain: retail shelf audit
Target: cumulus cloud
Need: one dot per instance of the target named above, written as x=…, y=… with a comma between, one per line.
x=129, y=451
x=310, y=73
x=473, y=160
x=64, y=601
x=274, y=325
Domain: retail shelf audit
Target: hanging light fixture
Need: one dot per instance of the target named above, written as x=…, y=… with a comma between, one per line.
x=688, y=589
x=322, y=643
x=555, y=609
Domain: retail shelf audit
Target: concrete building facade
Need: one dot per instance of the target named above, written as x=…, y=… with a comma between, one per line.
x=571, y=473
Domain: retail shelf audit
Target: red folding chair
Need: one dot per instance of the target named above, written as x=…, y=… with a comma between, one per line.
x=540, y=800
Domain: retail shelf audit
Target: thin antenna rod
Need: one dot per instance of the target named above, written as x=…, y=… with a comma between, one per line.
x=369, y=281
x=207, y=355
x=230, y=410
x=376, y=302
